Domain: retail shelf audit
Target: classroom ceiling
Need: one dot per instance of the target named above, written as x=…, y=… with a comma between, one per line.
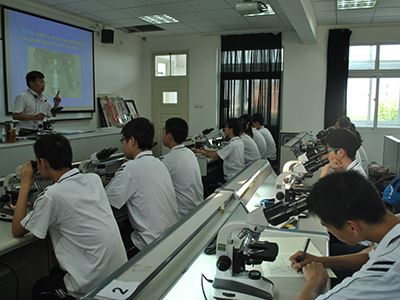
x=220, y=16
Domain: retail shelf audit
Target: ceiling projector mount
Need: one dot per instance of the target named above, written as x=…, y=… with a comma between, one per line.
x=249, y=7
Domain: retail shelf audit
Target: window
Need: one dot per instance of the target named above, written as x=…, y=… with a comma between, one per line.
x=373, y=86
x=170, y=97
x=170, y=65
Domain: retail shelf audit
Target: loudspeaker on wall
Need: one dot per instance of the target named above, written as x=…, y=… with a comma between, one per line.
x=107, y=36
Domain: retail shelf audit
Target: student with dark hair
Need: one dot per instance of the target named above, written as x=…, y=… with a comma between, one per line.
x=144, y=184
x=342, y=145
x=182, y=166
x=32, y=105
x=352, y=210
x=251, y=153
x=76, y=213
x=361, y=155
x=258, y=123
x=257, y=136
x=232, y=154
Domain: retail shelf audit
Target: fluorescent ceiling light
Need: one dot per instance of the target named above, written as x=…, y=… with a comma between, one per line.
x=159, y=19
x=354, y=4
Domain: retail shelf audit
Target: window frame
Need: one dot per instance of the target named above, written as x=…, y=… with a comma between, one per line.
x=377, y=74
x=170, y=54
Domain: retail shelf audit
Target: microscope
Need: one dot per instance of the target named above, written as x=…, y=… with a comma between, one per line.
x=104, y=163
x=238, y=245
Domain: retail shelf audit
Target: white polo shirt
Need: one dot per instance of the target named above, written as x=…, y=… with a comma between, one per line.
x=146, y=186
x=356, y=166
x=261, y=144
x=269, y=140
x=29, y=102
x=185, y=174
x=251, y=153
x=82, y=227
x=378, y=278
x=233, y=156
x=361, y=156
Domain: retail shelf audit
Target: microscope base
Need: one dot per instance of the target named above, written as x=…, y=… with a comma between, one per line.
x=242, y=287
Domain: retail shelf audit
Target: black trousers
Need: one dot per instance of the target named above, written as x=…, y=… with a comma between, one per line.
x=51, y=287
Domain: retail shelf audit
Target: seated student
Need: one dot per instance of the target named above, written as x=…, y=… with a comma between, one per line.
x=258, y=123
x=251, y=153
x=361, y=155
x=232, y=154
x=144, y=184
x=76, y=213
x=342, y=145
x=351, y=209
x=257, y=137
x=182, y=166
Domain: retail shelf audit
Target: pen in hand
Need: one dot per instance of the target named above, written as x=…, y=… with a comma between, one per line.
x=303, y=256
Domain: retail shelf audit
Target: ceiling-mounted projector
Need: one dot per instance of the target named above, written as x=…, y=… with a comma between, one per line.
x=248, y=7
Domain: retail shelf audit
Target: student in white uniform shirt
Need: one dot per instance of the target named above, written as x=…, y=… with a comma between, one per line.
x=361, y=155
x=352, y=209
x=258, y=123
x=144, y=184
x=76, y=213
x=32, y=106
x=251, y=153
x=182, y=166
x=257, y=137
x=232, y=154
x=342, y=145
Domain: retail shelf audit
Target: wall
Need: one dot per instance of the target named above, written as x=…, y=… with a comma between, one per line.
x=203, y=75
x=117, y=66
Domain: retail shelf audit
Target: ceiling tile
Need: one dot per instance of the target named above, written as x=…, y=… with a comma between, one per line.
x=324, y=6
x=238, y=27
x=203, y=5
x=270, y=21
x=141, y=11
x=355, y=13
x=232, y=21
x=108, y=15
x=55, y=2
x=387, y=12
x=221, y=13
x=188, y=17
x=88, y=6
x=175, y=8
x=123, y=3
x=353, y=20
x=131, y=22
x=386, y=19
x=387, y=3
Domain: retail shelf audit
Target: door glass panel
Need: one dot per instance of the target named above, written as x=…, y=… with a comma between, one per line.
x=170, y=97
x=178, y=65
x=162, y=65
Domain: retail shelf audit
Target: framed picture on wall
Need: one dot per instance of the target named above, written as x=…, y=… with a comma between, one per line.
x=114, y=110
x=132, y=108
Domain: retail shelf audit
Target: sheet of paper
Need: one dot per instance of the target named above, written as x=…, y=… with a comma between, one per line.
x=287, y=246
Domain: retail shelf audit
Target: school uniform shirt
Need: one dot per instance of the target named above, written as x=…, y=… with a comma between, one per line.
x=260, y=141
x=145, y=185
x=233, y=156
x=85, y=236
x=29, y=102
x=356, y=166
x=269, y=140
x=362, y=158
x=378, y=278
x=185, y=173
x=251, y=153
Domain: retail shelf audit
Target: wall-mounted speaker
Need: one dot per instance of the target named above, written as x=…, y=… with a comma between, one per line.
x=107, y=36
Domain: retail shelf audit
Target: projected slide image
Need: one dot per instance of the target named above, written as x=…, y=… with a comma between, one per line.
x=62, y=71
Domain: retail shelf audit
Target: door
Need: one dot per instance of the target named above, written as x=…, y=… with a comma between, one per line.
x=169, y=93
